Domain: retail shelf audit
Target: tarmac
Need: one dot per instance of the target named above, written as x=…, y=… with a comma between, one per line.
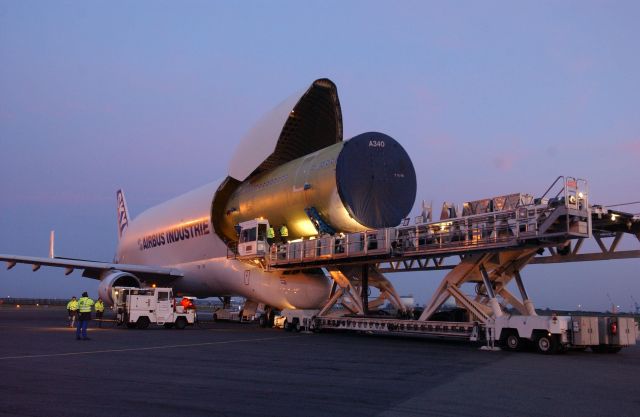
x=234, y=369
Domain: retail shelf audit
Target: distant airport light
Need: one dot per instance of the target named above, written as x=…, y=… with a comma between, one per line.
x=17, y=305
x=613, y=217
x=153, y=285
x=580, y=195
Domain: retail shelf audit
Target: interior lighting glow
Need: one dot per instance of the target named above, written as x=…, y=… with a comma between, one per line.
x=306, y=227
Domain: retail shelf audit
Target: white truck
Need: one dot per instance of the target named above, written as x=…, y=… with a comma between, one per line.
x=554, y=333
x=140, y=307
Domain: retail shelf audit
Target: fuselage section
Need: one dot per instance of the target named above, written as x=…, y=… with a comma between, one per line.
x=179, y=234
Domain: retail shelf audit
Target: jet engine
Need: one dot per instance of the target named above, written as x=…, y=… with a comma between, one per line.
x=111, y=279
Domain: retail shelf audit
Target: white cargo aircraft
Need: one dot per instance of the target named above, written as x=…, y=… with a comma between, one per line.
x=182, y=243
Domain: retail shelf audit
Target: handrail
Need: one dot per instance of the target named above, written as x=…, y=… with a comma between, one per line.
x=489, y=230
x=551, y=186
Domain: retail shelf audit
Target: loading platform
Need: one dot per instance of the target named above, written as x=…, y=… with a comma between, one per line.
x=485, y=246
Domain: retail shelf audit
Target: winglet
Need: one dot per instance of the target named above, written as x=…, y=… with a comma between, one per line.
x=123, y=213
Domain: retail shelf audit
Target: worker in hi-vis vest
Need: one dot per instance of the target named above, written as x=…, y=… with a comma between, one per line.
x=99, y=307
x=284, y=233
x=84, y=316
x=72, y=311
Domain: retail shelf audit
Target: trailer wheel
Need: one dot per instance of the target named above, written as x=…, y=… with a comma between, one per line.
x=215, y=317
x=168, y=325
x=143, y=322
x=546, y=344
x=286, y=325
x=131, y=325
x=297, y=326
x=181, y=323
x=614, y=349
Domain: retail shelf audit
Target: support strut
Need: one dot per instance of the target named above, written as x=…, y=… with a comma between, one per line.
x=528, y=304
x=493, y=302
x=365, y=288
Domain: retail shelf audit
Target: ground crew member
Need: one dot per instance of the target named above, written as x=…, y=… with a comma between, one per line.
x=84, y=310
x=284, y=233
x=99, y=306
x=72, y=310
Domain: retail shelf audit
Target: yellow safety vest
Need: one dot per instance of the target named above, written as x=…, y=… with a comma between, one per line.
x=99, y=306
x=84, y=304
x=72, y=305
x=270, y=233
x=284, y=232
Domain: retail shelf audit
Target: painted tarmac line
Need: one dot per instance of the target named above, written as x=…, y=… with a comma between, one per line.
x=93, y=352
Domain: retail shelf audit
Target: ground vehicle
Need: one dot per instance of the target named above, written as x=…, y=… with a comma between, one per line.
x=226, y=314
x=139, y=307
x=548, y=334
x=553, y=333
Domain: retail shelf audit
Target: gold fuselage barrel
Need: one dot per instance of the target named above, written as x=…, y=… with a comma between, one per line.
x=363, y=183
x=281, y=196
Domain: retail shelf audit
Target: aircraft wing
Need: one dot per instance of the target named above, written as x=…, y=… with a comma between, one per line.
x=93, y=269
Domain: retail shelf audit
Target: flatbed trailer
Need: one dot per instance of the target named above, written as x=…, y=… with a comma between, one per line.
x=548, y=334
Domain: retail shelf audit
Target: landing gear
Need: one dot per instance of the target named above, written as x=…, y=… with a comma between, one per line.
x=266, y=318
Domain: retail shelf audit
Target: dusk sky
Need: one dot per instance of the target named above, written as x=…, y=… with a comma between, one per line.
x=488, y=98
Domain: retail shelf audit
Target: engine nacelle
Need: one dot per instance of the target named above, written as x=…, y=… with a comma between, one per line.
x=111, y=279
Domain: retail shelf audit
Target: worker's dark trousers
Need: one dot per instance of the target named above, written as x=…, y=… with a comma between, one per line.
x=82, y=328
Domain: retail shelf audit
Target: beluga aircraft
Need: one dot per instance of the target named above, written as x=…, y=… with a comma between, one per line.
x=292, y=169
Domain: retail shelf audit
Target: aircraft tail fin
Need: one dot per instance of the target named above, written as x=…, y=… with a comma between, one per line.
x=123, y=213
